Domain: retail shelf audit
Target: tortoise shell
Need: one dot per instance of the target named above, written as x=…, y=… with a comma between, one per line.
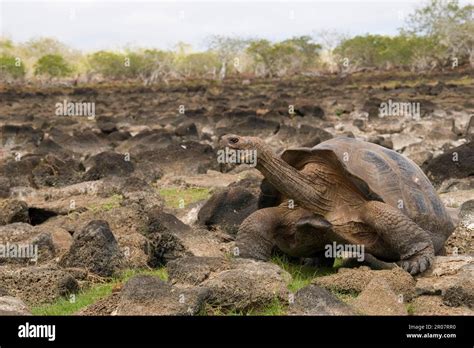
x=385, y=175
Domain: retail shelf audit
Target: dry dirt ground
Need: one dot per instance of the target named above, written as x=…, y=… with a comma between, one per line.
x=138, y=186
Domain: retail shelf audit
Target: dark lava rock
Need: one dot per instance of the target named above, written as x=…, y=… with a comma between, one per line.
x=13, y=211
x=106, y=124
x=431, y=90
x=355, y=280
x=314, y=300
x=46, y=249
x=469, y=131
x=233, y=283
x=313, y=135
x=452, y=277
x=455, y=163
x=149, y=171
x=26, y=237
x=148, y=141
x=193, y=270
x=55, y=172
x=378, y=298
x=250, y=125
x=82, y=141
x=372, y=107
x=460, y=294
x=38, y=285
x=136, y=192
x=4, y=292
x=165, y=233
x=95, y=248
x=382, y=141
x=148, y=295
x=309, y=110
x=228, y=208
x=49, y=146
x=188, y=157
x=108, y=163
x=187, y=128
x=119, y=136
x=306, y=136
x=20, y=135
x=361, y=124
x=4, y=187
x=426, y=107
x=269, y=195
x=19, y=171
x=466, y=211
x=170, y=239
x=248, y=284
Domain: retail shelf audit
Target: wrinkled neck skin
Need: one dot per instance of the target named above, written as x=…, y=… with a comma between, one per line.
x=309, y=193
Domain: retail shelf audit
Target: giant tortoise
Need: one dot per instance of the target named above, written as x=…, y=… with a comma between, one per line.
x=346, y=191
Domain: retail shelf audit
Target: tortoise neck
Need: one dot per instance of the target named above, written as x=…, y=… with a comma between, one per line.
x=307, y=192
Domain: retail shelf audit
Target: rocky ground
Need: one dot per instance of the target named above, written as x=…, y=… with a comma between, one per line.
x=131, y=213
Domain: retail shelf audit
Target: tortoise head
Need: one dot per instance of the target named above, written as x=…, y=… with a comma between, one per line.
x=289, y=181
x=237, y=142
x=246, y=149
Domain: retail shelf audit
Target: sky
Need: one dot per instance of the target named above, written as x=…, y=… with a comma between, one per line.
x=93, y=25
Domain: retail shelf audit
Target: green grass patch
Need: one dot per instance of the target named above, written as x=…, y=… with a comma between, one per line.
x=276, y=307
x=212, y=310
x=302, y=275
x=463, y=81
x=76, y=302
x=112, y=202
x=338, y=263
x=176, y=197
x=69, y=306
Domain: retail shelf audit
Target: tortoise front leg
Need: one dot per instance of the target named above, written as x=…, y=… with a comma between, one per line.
x=410, y=241
x=254, y=238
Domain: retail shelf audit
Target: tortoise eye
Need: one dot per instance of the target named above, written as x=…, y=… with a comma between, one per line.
x=234, y=140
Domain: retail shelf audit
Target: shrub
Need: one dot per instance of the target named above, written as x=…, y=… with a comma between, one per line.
x=11, y=67
x=52, y=65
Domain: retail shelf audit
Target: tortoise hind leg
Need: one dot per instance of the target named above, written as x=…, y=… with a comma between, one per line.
x=410, y=241
x=254, y=238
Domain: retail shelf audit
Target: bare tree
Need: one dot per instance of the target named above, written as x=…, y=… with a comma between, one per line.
x=229, y=50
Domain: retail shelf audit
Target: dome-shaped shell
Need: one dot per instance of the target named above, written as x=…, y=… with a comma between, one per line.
x=383, y=174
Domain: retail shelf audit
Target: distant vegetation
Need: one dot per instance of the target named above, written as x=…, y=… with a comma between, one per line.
x=438, y=35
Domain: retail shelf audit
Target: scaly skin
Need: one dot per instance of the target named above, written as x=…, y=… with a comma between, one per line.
x=254, y=239
x=280, y=227
x=401, y=234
